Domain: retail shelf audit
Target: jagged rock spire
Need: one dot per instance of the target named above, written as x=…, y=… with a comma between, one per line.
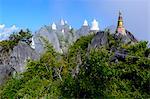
x=95, y=25
x=54, y=26
x=120, y=27
x=85, y=23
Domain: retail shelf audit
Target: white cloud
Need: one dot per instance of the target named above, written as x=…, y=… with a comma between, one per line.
x=14, y=27
x=6, y=31
x=2, y=26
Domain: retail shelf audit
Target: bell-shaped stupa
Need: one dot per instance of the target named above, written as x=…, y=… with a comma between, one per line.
x=85, y=23
x=54, y=26
x=95, y=26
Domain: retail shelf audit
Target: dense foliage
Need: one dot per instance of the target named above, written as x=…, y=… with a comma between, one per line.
x=21, y=36
x=38, y=80
x=101, y=78
x=14, y=39
x=85, y=74
x=7, y=45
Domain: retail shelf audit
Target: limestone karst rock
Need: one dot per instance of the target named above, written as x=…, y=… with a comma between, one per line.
x=49, y=34
x=100, y=39
x=15, y=60
x=60, y=35
x=84, y=30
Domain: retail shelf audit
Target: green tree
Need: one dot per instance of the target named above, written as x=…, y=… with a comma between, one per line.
x=85, y=74
x=99, y=77
x=21, y=36
x=41, y=79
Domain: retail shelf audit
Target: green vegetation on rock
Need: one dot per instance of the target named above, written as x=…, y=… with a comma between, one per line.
x=14, y=38
x=98, y=73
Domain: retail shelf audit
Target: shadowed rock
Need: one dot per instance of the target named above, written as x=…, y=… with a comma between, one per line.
x=99, y=39
x=15, y=60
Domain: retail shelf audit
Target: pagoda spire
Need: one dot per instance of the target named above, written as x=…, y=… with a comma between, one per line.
x=120, y=27
x=120, y=20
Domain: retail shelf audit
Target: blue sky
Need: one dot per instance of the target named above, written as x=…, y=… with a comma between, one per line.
x=33, y=14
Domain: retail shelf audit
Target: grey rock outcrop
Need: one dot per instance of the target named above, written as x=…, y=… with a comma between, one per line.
x=60, y=35
x=15, y=60
x=128, y=38
x=84, y=30
x=50, y=35
x=60, y=38
x=100, y=39
x=119, y=55
x=131, y=36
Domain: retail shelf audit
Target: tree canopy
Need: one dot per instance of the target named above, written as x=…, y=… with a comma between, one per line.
x=85, y=74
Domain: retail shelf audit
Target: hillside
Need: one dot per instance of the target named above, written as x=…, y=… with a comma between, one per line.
x=61, y=35
x=92, y=68
x=61, y=62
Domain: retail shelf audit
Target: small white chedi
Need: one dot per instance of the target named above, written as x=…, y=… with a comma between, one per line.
x=54, y=26
x=95, y=25
x=85, y=23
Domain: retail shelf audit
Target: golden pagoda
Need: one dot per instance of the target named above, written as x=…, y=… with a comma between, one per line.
x=120, y=27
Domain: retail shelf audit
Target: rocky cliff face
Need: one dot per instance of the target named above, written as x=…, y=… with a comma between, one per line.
x=84, y=30
x=100, y=39
x=15, y=60
x=50, y=35
x=131, y=36
x=60, y=37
